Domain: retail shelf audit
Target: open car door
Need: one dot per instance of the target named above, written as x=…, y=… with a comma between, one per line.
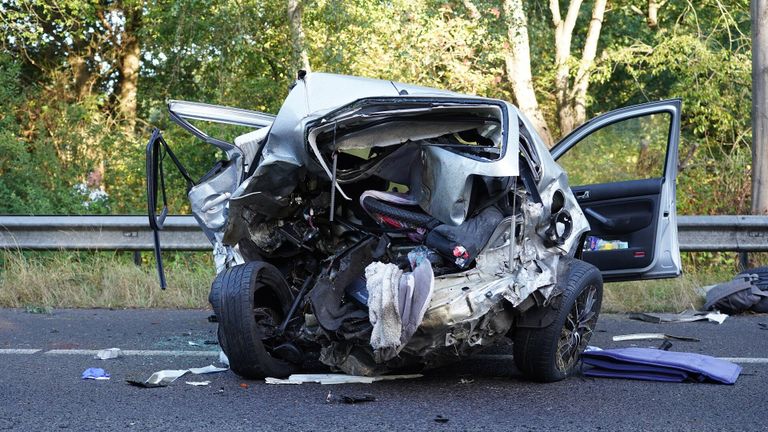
x=622, y=167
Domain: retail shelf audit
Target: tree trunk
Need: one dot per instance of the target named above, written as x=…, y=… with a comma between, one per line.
x=518, y=64
x=581, y=82
x=653, y=13
x=81, y=76
x=563, y=36
x=471, y=9
x=129, y=70
x=571, y=95
x=300, y=57
x=759, y=108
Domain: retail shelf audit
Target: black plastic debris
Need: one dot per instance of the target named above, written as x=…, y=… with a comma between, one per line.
x=144, y=384
x=350, y=400
x=357, y=399
x=665, y=346
x=441, y=419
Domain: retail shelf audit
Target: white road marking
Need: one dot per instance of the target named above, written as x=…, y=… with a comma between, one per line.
x=19, y=351
x=188, y=353
x=73, y=351
x=146, y=353
x=745, y=359
x=169, y=353
x=753, y=360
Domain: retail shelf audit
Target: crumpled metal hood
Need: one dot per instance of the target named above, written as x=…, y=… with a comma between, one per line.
x=319, y=93
x=319, y=100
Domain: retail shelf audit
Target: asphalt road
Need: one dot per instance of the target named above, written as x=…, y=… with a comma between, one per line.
x=43, y=356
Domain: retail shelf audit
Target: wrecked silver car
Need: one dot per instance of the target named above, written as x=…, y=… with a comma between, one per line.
x=377, y=226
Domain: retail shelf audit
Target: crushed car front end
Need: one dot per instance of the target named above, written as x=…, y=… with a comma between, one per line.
x=410, y=226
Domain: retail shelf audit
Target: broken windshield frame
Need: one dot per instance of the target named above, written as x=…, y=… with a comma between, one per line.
x=182, y=111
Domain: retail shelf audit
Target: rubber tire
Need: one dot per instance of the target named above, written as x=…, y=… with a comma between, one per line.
x=535, y=349
x=237, y=290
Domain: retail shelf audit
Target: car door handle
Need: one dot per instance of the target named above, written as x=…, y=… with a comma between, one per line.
x=582, y=195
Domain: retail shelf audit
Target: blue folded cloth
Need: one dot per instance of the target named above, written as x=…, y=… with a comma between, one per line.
x=659, y=365
x=95, y=374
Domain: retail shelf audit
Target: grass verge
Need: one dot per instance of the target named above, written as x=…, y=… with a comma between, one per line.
x=37, y=281
x=663, y=295
x=101, y=280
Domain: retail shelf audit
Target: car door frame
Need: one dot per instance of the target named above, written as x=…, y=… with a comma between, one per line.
x=666, y=262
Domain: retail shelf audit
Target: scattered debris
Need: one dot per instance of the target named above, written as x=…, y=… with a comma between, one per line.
x=763, y=326
x=213, y=318
x=738, y=295
x=685, y=316
x=143, y=384
x=107, y=354
x=717, y=317
x=164, y=377
x=658, y=365
x=37, y=309
x=466, y=381
x=665, y=346
x=223, y=358
x=330, y=398
x=647, y=336
x=243, y=385
x=98, y=374
x=336, y=379
x=441, y=419
x=210, y=342
x=357, y=399
x=191, y=343
x=198, y=383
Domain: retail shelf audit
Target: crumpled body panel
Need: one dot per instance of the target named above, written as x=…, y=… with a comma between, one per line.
x=359, y=182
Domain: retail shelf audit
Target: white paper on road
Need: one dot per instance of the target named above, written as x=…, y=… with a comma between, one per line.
x=168, y=376
x=647, y=336
x=223, y=358
x=682, y=317
x=109, y=353
x=336, y=379
x=717, y=317
x=198, y=383
x=206, y=370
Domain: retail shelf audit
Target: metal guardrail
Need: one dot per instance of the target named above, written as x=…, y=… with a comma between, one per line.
x=723, y=233
x=132, y=233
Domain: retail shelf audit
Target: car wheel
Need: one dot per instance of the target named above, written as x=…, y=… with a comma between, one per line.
x=552, y=353
x=250, y=301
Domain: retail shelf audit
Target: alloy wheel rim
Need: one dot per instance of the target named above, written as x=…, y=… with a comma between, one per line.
x=577, y=330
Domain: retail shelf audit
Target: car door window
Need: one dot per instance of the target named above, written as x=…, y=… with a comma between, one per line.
x=630, y=149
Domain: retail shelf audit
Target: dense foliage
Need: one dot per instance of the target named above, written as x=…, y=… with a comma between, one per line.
x=66, y=134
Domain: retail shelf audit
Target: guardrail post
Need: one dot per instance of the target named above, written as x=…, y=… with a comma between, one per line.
x=743, y=261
